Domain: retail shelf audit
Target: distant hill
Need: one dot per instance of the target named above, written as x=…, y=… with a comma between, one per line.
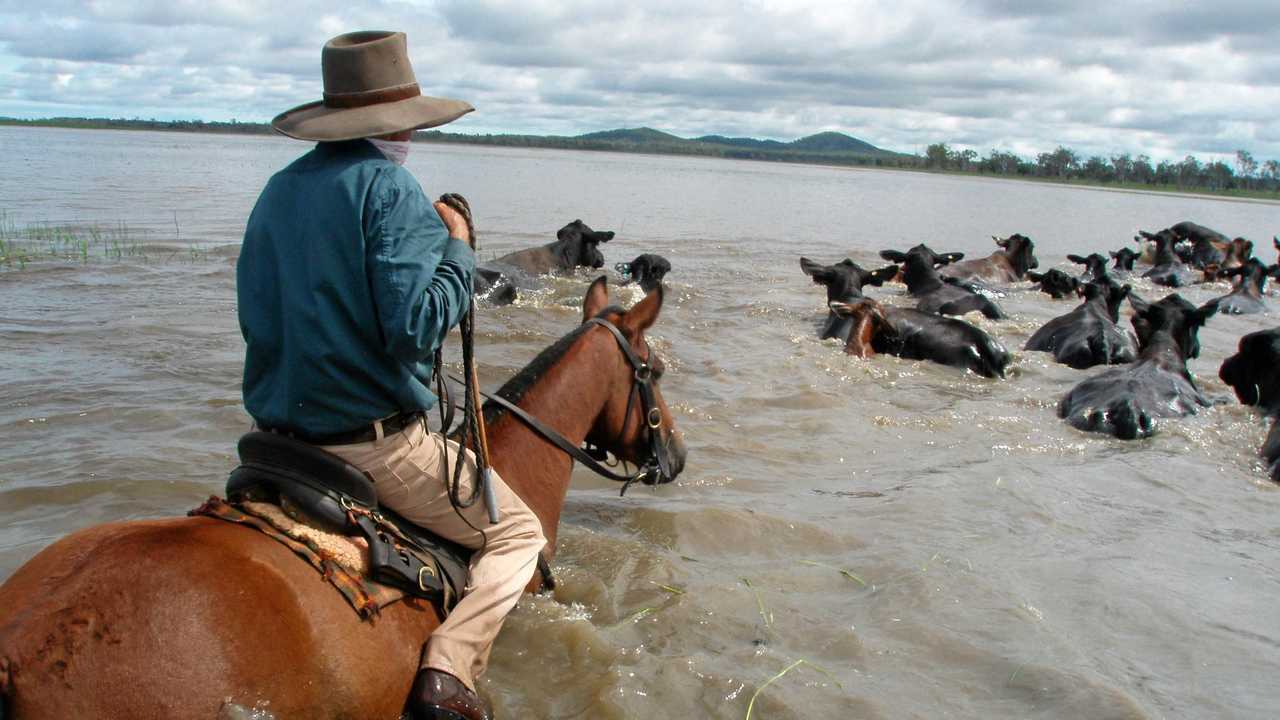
x=638, y=136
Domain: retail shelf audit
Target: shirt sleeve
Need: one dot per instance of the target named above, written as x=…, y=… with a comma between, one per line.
x=419, y=276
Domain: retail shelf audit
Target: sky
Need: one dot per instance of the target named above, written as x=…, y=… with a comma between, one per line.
x=1166, y=79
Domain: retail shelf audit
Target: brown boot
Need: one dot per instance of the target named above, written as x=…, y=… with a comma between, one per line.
x=437, y=695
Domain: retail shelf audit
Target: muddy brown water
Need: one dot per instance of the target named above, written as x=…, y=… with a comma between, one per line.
x=998, y=563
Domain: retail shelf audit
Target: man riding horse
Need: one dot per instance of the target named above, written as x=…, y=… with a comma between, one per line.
x=348, y=281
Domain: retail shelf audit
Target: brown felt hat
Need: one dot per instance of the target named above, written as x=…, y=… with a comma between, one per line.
x=369, y=90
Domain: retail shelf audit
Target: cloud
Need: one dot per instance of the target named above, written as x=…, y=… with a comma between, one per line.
x=1027, y=75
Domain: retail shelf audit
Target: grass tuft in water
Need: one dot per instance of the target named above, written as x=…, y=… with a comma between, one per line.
x=764, y=612
x=83, y=243
x=751, y=706
x=842, y=571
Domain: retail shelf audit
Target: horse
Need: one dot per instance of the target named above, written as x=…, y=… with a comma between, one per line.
x=194, y=617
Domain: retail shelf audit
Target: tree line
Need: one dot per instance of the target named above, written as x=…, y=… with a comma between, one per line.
x=1064, y=164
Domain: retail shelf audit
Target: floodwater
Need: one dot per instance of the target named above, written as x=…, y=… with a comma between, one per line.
x=999, y=563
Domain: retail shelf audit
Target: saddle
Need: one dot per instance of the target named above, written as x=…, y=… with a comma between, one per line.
x=336, y=497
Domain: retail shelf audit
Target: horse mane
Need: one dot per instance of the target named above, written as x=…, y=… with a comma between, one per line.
x=514, y=389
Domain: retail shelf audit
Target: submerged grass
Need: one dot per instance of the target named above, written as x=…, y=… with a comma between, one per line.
x=751, y=706
x=764, y=612
x=45, y=242
x=842, y=571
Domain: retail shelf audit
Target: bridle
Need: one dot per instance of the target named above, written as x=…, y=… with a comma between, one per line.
x=656, y=469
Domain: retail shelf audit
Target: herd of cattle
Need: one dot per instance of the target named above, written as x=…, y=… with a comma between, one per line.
x=1151, y=382
x=1126, y=401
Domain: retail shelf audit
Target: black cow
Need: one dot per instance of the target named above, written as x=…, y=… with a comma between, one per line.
x=1095, y=266
x=1124, y=258
x=576, y=245
x=1252, y=373
x=1089, y=335
x=647, y=269
x=1168, y=269
x=493, y=285
x=844, y=282
x=936, y=294
x=917, y=335
x=1006, y=265
x=1126, y=402
x=1055, y=283
x=1246, y=298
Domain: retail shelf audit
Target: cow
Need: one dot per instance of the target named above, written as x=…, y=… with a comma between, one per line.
x=844, y=282
x=1010, y=263
x=917, y=335
x=934, y=293
x=1089, y=335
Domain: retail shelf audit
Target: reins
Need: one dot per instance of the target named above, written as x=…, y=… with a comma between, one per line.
x=472, y=417
x=656, y=468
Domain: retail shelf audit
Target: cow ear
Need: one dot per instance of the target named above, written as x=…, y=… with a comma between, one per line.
x=841, y=309
x=1204, y=312
x=597, y=298
x=1077, y=259
x=1004, y=243
x=878, y=277
x=809, y=267
x=604, y=236
x=1035, y=276
x=893, y=255
x=948, y=258
x=1138, y=304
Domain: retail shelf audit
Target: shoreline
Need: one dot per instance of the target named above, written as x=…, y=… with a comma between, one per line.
x=262, y=130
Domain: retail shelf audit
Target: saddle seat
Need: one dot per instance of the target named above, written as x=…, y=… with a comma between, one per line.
x=341, y=499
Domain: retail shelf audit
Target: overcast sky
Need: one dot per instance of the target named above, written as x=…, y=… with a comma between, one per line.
x=1020, y=75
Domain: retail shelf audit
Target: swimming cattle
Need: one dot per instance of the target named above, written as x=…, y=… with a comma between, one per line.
x=1088, y=335
x=1252, y=373
x=844, y=282
x=917, y=335
x=1246, y=298
x=936, y=294
x=576, y=245
x=647, y=270
x=1126, y=402
x=1009, y=264
x=1095, y=266
x=1168, y=269
x=1055, y=283
x=1124, y=258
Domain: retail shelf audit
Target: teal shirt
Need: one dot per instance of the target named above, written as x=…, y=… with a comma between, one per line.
x=347, y=283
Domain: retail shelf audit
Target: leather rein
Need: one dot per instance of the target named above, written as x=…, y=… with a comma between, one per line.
x=656, y=468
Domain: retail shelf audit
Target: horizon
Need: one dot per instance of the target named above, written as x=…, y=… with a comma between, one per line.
x=1099, y=79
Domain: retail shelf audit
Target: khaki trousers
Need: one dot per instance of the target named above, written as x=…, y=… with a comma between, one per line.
x=409, y=470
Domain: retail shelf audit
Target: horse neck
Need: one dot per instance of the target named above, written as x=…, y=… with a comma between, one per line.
x=567, y=398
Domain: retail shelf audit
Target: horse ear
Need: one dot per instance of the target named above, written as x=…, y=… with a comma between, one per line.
x=597, y=298
x=893, y=255
x=643, y=314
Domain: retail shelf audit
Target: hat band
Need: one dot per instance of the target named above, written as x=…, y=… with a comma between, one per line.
x=371, y=97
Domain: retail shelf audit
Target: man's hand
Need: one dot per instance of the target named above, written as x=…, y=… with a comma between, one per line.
x=454, y=221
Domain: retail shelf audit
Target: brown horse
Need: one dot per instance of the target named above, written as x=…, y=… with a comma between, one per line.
x=192, y=617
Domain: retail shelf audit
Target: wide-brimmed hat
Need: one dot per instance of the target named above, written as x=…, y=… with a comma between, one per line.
x=369, y=90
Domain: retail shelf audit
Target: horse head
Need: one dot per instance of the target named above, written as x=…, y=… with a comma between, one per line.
x=634, y=424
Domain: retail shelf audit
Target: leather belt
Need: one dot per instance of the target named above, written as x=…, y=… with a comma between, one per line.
x=390, y=425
